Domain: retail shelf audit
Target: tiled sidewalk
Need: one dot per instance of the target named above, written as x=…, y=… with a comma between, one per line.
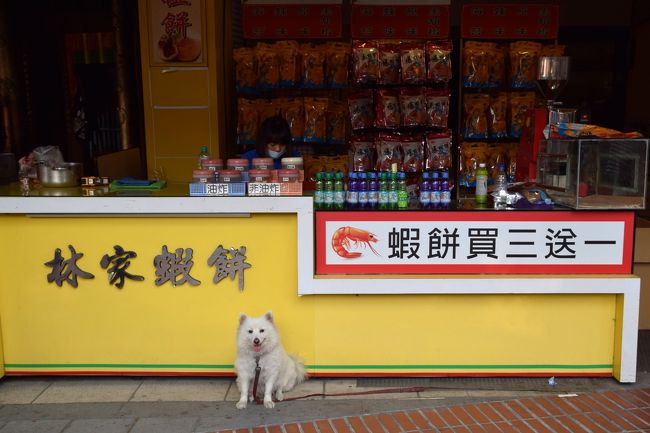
x=607, y=412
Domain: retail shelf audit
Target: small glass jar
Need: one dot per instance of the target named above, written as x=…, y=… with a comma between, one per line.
x=289, y=175
x=263, y=163
x=237, y=164
x=203, y=176
x=292, y=163
x=212, y=164
x=259, y=175
x=228, y=176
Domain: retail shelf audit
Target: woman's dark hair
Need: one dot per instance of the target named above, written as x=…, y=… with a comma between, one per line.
x=273, y=129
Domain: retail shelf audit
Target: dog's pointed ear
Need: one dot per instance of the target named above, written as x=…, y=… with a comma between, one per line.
x=269, y=316
x=242, y=318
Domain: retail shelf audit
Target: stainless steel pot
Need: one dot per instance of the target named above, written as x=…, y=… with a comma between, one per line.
x=68, y=174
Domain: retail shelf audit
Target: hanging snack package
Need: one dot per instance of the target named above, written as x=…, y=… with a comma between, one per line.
x=387, y=112
x=439, y=62
x=337, y=116
x=389, y=62
x=315, y=120
x=497, y=113
x=496, y=54
x=496, y=154
x=268, y=66
x=476, y=64
x=413, y=150
x=413, y=106
x=413, y=62
x=472, y=154
x=247, y=121
x=437, y=102
x=313, y=66
x=363, y=149
x=337, y=59
x=362, y=112
x=475, y=107
x=267, y=108
x=245, y=75
x=552, y=50
x=520, y=103
x=523, y=64
x=389, y=151
x=288, y=57
x=438, y=151
x=365, y=62
x=294, y=114
x=511, y=167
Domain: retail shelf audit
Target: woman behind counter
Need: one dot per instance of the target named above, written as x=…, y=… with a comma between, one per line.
x=273, y=140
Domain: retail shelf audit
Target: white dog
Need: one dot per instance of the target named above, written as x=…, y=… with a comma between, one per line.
x=258, y=343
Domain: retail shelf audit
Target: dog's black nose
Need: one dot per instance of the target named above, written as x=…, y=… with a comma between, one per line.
x=256, y=341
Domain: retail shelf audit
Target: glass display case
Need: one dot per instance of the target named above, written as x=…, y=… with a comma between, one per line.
x=594, y=173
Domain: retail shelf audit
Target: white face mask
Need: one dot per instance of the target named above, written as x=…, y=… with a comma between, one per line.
x=275, y=155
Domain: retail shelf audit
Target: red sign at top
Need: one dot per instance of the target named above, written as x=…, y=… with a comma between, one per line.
x=399, y=21
x=509, y=21
x=292, y=21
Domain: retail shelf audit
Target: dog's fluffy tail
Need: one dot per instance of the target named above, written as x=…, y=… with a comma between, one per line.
x=298, y=366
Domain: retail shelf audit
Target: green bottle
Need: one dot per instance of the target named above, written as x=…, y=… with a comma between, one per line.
x=402, y=193
x=339, y=191
x=329, y=191
x=481, y=184
x=392, y=190
x=319, y=194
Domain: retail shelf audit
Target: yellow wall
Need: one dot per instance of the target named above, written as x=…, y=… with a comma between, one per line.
x=149, y=329
x=182, y=104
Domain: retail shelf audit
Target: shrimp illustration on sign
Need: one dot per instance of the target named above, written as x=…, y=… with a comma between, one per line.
x=344, y=237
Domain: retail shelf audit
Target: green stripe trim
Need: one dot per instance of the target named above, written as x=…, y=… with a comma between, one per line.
x=461, y=367
x=332, y=367
x=206, y=366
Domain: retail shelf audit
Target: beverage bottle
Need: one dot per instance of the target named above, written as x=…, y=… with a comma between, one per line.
x=383, y=190
x=481, y=184
x=319, y=198
x=402, y=192
x=339, y=191
x=352, y=196
x=500, y=187
x=329, y=190
x=373, y=190
x=392, y=190
x=445, y=194
x=425, y=191
x=203, y=155
x=435, y=189
x=362, y=186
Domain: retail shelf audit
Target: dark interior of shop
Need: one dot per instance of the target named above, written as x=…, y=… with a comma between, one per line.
x=70, y=100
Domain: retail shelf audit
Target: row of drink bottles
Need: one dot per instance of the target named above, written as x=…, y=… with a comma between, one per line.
x=379, y=190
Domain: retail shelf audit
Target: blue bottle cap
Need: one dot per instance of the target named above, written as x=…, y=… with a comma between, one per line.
x=435, y=175
x=353, y=175
x=362, y=175
x=445, y=175
x=372, y=175
x=401, y=175
x=425, y=175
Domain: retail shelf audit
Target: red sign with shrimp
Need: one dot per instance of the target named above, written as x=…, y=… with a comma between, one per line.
x=487, y=242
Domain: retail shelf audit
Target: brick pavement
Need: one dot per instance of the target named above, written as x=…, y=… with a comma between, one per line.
x=606, y=412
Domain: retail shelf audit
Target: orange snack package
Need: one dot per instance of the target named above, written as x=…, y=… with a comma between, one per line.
x=268, y=66
x=245, y=75
x=497, y=65
x=247, y=121
x=288, y=56
x=362, y=148
x=336, y=63
x=520, y=103
x=497, y=114
x=294, y=114
x=362, y=113
x=476, y=63
x=438, y=150
x=389, y=151
x=524, y=56
x=336, y=120
x=313, y=66
x=413, y=149
x=475, y=107
x=315, y=120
